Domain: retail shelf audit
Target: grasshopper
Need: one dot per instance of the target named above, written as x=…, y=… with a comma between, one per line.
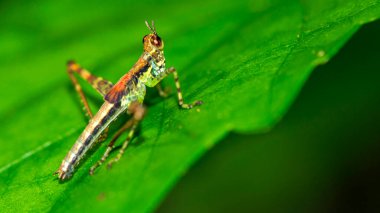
x=127, y=95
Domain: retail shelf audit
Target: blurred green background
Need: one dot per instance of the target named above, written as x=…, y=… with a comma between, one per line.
x=324, y=156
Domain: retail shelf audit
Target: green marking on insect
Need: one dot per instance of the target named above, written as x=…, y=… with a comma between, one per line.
x=127, y=95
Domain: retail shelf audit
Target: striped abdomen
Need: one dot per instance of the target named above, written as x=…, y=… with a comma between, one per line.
x=106, y=114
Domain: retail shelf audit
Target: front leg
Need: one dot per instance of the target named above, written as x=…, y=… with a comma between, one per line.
x=179, y=93
x=162, y=92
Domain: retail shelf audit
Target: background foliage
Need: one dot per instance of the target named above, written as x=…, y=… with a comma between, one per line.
x=324, y=156
x=246, y=60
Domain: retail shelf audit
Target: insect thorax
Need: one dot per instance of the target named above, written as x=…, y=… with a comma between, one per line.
x=136, y=93
x=156, y=71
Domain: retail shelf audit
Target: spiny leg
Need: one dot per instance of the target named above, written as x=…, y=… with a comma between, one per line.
x=124, y=146
x=179, y=93
x=101, y=85
x=137, y=111
x=111, y=145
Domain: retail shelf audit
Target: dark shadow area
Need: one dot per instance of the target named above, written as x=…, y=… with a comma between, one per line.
x=324, y=156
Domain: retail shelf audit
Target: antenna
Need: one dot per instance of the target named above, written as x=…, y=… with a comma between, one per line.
x=151, y=28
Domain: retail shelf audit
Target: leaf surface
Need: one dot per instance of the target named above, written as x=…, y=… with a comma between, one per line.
x=247, y=60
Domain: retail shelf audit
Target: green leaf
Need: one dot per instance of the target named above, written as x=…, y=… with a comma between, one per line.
x=247, y=60
x=315, y=159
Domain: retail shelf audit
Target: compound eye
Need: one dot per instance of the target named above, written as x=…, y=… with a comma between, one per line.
x=156, y=41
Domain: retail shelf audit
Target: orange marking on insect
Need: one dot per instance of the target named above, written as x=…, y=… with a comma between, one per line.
x=85, y=74
x=74, y=66
x=118, y=90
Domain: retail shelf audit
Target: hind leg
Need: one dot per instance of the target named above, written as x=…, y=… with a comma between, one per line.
x=137, y=110
x=98, y=83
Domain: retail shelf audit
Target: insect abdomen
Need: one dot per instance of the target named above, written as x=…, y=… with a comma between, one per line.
x=106, y=114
